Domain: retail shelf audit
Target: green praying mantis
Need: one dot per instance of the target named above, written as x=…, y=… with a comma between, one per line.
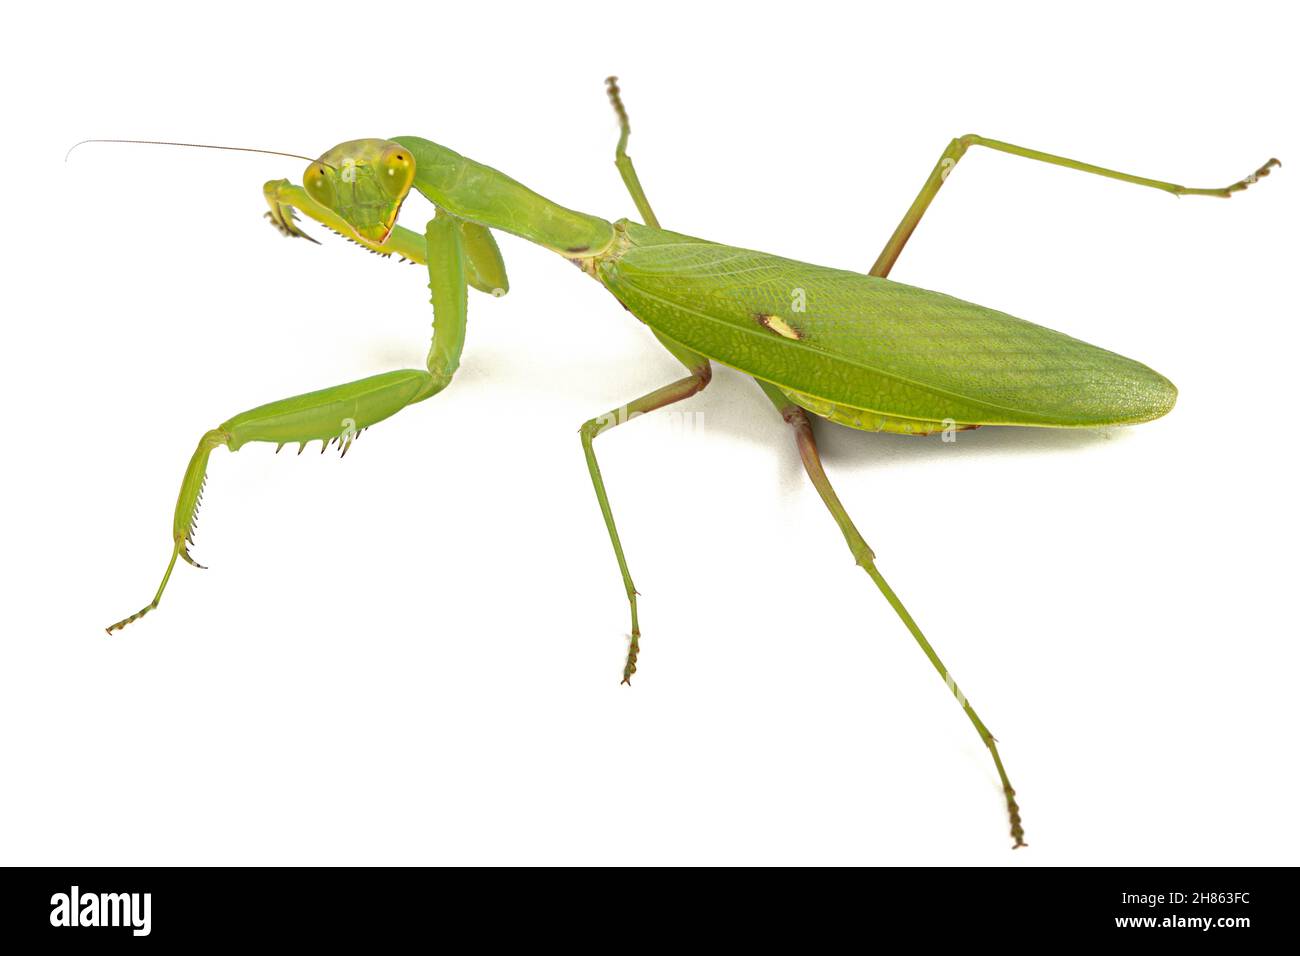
x=860, y=350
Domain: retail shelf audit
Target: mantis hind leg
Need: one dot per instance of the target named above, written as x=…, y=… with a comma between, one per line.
x=957, y=149
x=866, y=559
x=701, y=373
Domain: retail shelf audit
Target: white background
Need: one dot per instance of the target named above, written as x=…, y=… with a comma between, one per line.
x=413, y=655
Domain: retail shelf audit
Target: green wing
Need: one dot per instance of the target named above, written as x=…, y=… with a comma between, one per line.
x=866, y=343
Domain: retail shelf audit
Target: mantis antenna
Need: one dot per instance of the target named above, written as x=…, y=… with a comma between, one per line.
x=161, y=142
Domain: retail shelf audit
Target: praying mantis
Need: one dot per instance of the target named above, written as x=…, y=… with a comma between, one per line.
x=857, y=349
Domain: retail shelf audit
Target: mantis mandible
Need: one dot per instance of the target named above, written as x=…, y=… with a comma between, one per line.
x=860, y=350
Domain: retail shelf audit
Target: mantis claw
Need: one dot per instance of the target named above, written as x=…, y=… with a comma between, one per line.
x=633, y=650
x=287, y=224
x=185, y=554
x=282, y=215
x=1254, y=177
x=1227, y=191
x=125, y=621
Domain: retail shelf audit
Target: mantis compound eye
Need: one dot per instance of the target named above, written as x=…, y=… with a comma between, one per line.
x=396, y=171
x=318, y=185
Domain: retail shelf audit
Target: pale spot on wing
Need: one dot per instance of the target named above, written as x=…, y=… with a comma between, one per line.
x=778, y=325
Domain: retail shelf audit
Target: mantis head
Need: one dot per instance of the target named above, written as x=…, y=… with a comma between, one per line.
x=364, y=181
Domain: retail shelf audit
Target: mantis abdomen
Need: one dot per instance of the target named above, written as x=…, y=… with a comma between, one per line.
x=870, y=352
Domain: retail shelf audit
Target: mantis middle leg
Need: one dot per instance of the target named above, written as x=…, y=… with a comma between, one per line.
x=701, y=373
x=623, y=161
x=337, y=414
x=957, y=149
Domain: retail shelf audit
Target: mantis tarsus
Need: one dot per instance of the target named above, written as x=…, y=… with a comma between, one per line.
x=860, y=350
